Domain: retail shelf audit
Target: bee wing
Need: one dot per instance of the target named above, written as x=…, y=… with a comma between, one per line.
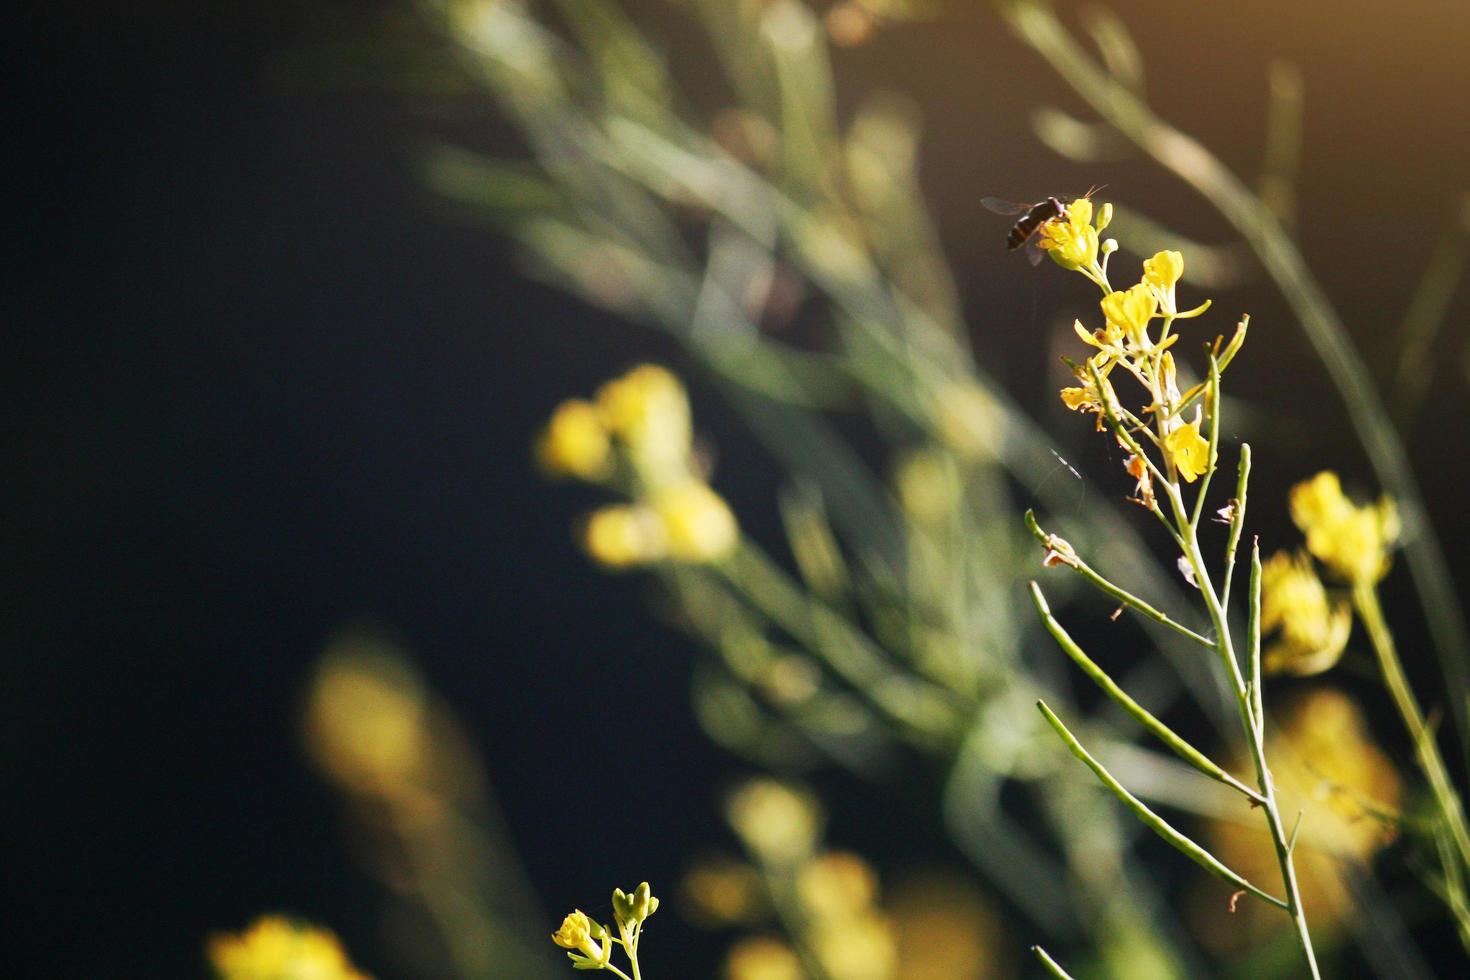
x=1034, y=251
x=1000, y=205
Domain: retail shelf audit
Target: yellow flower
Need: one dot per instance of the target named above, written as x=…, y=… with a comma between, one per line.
x=1129, y=311
x=1189, y=451
x=1164, y=270
x=1354, y=542
x=760, y=958
x=575, y=443
x=1314, y=631
x=1161, y=274
x=575, y=931
x=274, y=948
x=582, y=936
x=622, y=536
x=1072, y=241
x=697, y=523
x=648, y=410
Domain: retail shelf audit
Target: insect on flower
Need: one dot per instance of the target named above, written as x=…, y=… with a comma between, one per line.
x=1032, y=218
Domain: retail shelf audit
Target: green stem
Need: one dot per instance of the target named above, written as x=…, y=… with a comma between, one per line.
x=1151, y=819
x=925, y=712
x=1051, y=965
x=1254, y=728
x=1161, y=731
x=1115, y=591
x=1237, y=522
x=1431, y=763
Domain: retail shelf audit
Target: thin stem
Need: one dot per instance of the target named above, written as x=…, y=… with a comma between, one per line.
x=1237, y=522
x=1212, y=406
x=1115, y=591
x=1254, y=733
x=1142, y=715
x=1253, y=631
x=1051, y=965
x=1452, y=814
x=925, y=712
x=1152, y=820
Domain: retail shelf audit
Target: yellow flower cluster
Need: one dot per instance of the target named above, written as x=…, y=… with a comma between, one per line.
x=275, y=948
x=1125, y=340
x=1313, y=629
x=1354, y=542
x=636, y=436
x=590, y=944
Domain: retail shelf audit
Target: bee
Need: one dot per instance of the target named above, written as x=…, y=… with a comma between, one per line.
x=1032, y=218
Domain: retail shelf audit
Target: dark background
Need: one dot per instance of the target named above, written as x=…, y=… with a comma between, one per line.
x=260, y=382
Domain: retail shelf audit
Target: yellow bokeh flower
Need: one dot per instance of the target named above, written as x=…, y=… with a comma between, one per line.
x=1129, y=311
x=778, y=823
x=836, y=885
x=276, y=948
x=623, y=536
x=945, y=929
x=1326, y=765
x=367, y=718
x=1072, y=241
x=575, y=443
x=859, y=948
x=722, y=891
x=698, y=525
x=1313, y=630
x=648, y=410
x=762, y=958
x=1354, y=542
x=1188, y=451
